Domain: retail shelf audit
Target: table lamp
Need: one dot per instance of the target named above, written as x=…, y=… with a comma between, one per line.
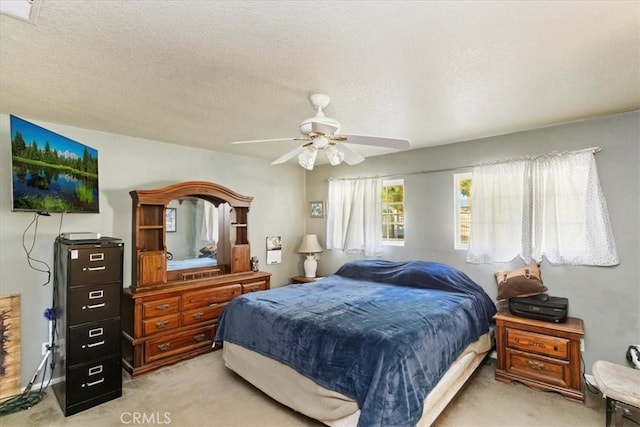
x=310, y=246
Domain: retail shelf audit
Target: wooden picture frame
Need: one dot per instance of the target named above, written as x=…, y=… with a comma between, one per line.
x=10, y=337
x=316, y=209
x=171, y=220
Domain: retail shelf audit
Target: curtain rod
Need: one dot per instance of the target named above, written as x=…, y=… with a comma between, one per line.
x=594, y=150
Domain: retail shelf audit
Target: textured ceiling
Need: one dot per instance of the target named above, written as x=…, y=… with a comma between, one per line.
x=206, y=73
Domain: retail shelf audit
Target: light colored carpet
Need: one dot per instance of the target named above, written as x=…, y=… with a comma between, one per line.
x=202, y=392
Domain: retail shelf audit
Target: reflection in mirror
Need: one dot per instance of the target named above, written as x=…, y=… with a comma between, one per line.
x=194, y=243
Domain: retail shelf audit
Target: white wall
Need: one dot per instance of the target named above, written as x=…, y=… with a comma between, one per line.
x=125, y=164
x=606, y=298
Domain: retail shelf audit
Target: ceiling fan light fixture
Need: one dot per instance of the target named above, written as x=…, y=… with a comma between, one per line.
x=307, y=158
x=334, y=155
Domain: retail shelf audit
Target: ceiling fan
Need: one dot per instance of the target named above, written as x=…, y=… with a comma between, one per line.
x=322, y=133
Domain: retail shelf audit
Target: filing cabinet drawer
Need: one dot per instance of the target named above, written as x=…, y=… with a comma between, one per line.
x=89, y=342
x=93, y=379
x=210, y=297
x=93, y=303
x=95, y=265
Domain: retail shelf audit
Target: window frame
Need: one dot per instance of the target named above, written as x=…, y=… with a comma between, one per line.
x=457, y=235
x=390, y=183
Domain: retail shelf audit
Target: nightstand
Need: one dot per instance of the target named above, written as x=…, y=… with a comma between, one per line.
x=541, y=355
x=303, y=279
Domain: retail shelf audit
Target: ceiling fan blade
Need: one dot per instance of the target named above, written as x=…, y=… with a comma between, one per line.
x=291, y=154
x=350, y=157
x=400, y=144
x=268, y=140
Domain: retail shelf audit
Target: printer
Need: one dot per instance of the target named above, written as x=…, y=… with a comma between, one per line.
x=540, y=307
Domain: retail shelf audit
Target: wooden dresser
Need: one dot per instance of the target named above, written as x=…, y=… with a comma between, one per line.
x=163, y=326
x=170, y=312
x=542, y=355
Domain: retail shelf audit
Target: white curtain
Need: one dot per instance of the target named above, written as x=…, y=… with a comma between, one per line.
x=500, y=213
x=206, y=224
x=571, y=221
x=550, y=206
x=354, y=216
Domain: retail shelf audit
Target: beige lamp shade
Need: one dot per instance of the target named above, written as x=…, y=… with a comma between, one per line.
x=309, y=244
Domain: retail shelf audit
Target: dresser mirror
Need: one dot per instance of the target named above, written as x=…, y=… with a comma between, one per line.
x=188, y=231
x=197, y=224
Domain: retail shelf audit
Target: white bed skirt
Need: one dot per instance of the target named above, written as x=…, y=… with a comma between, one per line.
x=300, y=393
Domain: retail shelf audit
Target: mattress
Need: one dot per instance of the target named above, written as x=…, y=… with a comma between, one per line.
x=303, y=395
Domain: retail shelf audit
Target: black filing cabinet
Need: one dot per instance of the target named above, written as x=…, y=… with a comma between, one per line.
x=86, y=300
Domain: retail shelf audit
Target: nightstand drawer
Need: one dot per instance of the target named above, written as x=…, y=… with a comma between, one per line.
x=543, y=369
x=537, y=343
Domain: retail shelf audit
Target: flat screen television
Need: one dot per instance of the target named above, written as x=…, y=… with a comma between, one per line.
x=51, y=173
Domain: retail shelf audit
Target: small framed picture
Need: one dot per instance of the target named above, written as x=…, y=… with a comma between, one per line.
x=171, y=220
x=317, y=209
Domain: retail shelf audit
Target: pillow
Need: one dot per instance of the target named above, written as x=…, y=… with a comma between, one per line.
x=209, y=249
x=522, y=282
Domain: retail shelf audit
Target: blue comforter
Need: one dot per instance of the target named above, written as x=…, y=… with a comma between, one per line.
x=380, y=332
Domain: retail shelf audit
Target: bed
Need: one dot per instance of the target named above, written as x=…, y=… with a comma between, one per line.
x=378, y=343
x=182, y=264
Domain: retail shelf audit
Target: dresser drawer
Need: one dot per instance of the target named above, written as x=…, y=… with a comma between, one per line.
x=94, y=303
x=537, y=343
x=93, y=341
x=160, y=307
x=540, y=368
x=202, y=314
x=254, y=286
x=183, y=342
x=95, y=265
x=210, y=297
x=160, y=324
x=93, y=379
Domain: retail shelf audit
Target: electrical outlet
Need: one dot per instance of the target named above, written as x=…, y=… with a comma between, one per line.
x=45, y=347
x=582, y=344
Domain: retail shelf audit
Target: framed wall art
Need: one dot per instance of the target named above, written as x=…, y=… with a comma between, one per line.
x=316, y=209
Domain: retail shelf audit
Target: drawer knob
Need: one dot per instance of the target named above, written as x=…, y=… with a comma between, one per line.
x=164, y=347
x=537, y=366
x=198, y=315
x=162, y=307
x=162, y=324
x=198, y=337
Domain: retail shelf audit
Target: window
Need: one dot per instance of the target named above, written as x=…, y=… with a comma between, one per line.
x=462, y=209
x=393, y=212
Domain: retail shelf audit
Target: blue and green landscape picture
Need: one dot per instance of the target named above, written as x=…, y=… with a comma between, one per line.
x=51, y=173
